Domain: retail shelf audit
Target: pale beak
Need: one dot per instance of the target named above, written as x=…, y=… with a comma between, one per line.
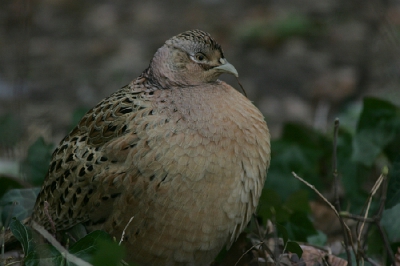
x=226, y=67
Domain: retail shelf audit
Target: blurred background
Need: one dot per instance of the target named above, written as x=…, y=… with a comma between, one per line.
x=299, y=60
x=302, y=62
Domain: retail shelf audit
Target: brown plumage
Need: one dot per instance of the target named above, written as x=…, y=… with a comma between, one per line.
x=180, y=151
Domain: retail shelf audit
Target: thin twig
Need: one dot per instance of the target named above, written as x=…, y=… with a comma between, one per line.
x=371, y=195
x=382, y=201
x=316, y=191
x=68, y=256
x=123, y=232
x=378, y=216
x=247, y=251
x=269, y=251
x=336, y=192
x=386, y=243
x=382, y=181
x=19, y=262
x=326, y=201
x=70, y=236
x=335, y=136
x=361, y=222
x=368, y=259
x=374, y=263
x=276, y=248
x=357, y=217
x=244, y=92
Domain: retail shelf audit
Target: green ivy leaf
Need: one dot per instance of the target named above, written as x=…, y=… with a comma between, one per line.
x=282, y=232
x=18, y=203
x=24, y=235
x=391, y=223
x=36, y=164
x=96, y=247
x=108, y=253
x=87, y=246
x=300, y=227
x=300, y=149
x=279, y=176
x=271, y=207
x=7, y=183
x=351, y=174
x=299, y=202
x=319, y=239
x=294, y=247
x=378, y=125
x=393, y=193
x=375, y=242
x=10, y=130
x=35, y=254
x=45, y=254
x=73, y=234
x=365, y=149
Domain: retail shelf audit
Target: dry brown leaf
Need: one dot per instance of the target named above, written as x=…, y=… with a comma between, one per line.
x=313, y=255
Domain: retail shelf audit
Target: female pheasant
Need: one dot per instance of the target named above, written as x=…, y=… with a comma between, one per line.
x=180, y=151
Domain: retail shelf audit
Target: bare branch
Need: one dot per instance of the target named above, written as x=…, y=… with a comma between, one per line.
x=371, y=195
x=247, y=251
x=327, y=202
x=244, y=92
x=356, y=217
x=123, y=232
x=68, y=256
x=383, y=183
x=378, y=216
x=260, y=235
x=336, y=192
x=316, y=191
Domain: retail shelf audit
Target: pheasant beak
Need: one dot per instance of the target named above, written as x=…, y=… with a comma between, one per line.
x=226, y=67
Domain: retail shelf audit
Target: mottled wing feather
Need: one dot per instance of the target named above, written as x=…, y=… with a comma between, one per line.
x=82, y=167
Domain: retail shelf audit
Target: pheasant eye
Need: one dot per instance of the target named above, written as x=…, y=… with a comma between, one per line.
x=200, y=57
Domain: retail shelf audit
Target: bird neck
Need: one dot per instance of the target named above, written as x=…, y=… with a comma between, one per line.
x=161, y=69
